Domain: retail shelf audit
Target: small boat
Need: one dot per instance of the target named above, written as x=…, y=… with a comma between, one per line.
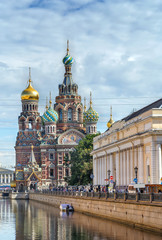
x=66, y=207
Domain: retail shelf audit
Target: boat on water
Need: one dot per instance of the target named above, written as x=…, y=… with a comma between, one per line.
x=66, y=207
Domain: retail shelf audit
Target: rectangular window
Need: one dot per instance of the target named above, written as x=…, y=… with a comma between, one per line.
x=51, y=156
x=60, y=162
x=60, y=168
x=52, y=172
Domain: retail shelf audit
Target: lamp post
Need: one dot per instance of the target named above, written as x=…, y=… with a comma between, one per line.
x=109, y=171
x=136, y=171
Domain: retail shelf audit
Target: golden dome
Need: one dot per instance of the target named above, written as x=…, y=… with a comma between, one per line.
x=29, y=93
x=13, y=184
x=111, y=121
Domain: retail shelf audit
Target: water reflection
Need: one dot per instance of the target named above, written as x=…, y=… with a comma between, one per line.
x=31, y=220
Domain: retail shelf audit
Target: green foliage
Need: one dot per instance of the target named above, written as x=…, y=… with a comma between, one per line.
x=81, y=162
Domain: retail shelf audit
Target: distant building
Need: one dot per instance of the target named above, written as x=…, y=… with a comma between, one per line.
x=6, y=177
x=53, y=135
x=134, y=141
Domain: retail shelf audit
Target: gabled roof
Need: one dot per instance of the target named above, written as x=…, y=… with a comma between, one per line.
x=156, y=104
x=35, y=176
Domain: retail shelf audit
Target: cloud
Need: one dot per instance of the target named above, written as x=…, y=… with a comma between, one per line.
x=117, y=47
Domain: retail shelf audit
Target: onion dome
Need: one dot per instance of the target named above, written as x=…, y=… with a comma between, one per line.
x=90, y=115
x=68, y=60
x=50, y=114
x=29, y=93
x=111, y=121
x=13, y=184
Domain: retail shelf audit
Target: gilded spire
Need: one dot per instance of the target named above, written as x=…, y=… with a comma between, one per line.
x=111, y=121
x=50, y=101
x=67, y=47
x=32, y=157
x=29, y=74
x=90, y=99
x=46, y=103
x=84, y=104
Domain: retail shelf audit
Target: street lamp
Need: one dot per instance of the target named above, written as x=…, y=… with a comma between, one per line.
x=136, y=170
x=109, y=171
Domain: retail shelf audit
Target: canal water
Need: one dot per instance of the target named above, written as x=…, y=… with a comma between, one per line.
x=35, y=221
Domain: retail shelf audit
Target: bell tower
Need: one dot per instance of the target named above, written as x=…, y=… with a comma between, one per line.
x=29, y=124
x=68, y=103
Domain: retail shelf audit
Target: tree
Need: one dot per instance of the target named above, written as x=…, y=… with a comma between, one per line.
x=80, y=161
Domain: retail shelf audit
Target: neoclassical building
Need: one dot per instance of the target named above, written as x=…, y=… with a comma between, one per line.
x=48, y=138
x=6, y=177
x=134, y=141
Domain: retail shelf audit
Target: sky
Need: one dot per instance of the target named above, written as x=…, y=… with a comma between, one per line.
x=116, y=45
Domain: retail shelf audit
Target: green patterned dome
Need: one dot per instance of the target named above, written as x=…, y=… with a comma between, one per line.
x=90, y=115
x=50, y=115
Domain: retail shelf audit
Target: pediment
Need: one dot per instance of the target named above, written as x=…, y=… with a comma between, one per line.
x=70, y=137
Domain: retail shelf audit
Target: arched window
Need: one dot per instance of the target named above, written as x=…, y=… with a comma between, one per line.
x=60, y=114
x=30, y=124
x=48, y=129
x=30, y=107
x=22, y=121
x=94, y=129
x=70, y=113
x=78, y=114
x=27, y=107
x=89, y=129
x=53, y=129
x=33, y=107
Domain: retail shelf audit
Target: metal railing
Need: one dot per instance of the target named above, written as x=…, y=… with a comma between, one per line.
x=138, y=197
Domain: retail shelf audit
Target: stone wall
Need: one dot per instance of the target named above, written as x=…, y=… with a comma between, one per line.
x=140, y=215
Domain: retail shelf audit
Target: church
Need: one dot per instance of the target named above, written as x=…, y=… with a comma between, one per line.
x=44, y=141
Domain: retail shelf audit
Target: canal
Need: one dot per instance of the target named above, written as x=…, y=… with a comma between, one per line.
x=35, y=221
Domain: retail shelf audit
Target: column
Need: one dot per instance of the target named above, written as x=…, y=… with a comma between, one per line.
x=8, y=178
x=124, y=167
x=100, y=170
x=140, y=165
x=159, y=163
x=121, y=168
x=135, y=157
x=111, y=165
x=103, y=171
x=94, y=171
x=5, y=178
x=117, y=168
x=153, y=163
x=128, y=169
x=105, y=163
x=131, y=166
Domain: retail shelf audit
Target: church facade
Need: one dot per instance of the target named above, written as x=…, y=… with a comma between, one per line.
x=44, y=141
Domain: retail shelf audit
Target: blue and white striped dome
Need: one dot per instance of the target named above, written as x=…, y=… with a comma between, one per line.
x=68, y=60
x=50, y=115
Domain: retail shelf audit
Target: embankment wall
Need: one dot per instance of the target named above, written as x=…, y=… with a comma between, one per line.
x=140, y=215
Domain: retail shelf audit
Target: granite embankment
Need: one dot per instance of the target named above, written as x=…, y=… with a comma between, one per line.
x=141, y=214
